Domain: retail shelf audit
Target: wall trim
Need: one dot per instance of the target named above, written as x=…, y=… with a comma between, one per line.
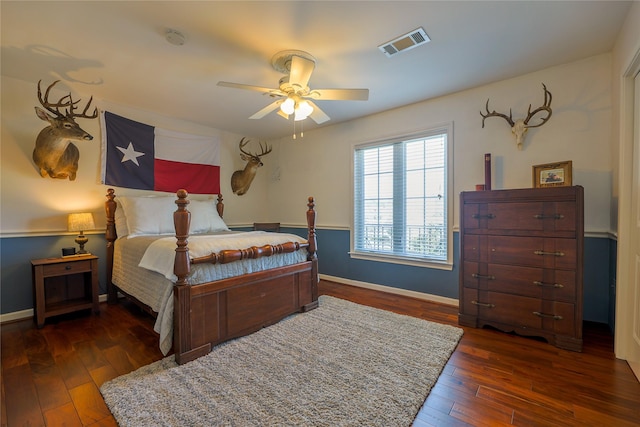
x=45, y=233
x=602, y=234
x=382, y=288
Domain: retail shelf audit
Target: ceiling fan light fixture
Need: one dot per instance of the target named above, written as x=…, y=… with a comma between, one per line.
x=288, y=106
x=294, y=96
x=303, y=110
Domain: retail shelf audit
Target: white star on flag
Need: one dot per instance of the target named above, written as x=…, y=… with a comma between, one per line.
x=130, y=154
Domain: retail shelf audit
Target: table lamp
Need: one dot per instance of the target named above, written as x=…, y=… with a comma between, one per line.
x=81, y=222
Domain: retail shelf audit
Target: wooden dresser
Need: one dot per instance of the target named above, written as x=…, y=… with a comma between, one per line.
x=521, y=262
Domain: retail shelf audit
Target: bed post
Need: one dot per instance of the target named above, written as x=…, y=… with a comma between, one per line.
x=110, y=235
x=181, y=268
x=220, y=205
x=311, y=252
x=311, y=227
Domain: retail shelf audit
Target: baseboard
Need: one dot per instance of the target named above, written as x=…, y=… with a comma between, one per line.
x=392, y=290
x=26, y=314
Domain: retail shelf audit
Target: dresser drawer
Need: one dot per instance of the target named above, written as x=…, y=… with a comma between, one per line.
x=547, y=216
x=524, y=216
x=65, y=268
x=532, y=251
x=526, y=312
x=559, y=285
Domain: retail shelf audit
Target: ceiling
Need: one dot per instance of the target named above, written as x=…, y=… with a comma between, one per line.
x=117, y=51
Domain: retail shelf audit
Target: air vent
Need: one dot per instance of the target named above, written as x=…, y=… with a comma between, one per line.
x=405, y=42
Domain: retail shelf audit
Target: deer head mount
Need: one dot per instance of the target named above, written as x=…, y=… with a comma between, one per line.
x=241, y=179
x=520, y=127
x=55, y=154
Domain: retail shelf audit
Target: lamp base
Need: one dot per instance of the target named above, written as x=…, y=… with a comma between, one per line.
x=81, y=240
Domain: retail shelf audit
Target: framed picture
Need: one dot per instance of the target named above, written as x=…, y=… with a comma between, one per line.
x=552, y=175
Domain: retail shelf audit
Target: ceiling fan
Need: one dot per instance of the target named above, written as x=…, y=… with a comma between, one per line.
x=293, y=93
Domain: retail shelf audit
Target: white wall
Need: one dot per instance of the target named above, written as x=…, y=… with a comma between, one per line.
x=32, y=204
x=579, y=130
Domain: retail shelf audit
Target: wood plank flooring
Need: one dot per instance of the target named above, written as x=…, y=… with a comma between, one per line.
x=51, y=376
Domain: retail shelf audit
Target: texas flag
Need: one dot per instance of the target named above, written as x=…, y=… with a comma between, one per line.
x=136, y=155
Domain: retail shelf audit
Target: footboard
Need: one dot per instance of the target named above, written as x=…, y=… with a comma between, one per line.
x=208, y=314
x=211, y=313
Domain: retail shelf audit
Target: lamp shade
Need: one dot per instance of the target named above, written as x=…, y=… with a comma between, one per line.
x=302, y=111
x=81, y=221
x=287, y=106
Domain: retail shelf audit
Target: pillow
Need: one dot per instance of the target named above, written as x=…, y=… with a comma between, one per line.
x=121, y=220
x=149, y=215
x=204, y=217
x=154, y=215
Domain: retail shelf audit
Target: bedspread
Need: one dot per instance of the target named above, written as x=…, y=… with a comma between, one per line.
x=160, y=254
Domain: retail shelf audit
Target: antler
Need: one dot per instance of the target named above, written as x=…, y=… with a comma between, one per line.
x=545, y=107
x=262, y=149
x=242, y=144
x=55, y=108
x=72, y=107
x=49, y=106
x=493, y=113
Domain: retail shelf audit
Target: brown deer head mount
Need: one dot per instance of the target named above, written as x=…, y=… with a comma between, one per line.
x=241, y=179
x=520, y=127
x=54, y=153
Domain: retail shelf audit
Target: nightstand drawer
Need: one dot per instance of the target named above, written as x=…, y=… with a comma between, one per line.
x=64, y=268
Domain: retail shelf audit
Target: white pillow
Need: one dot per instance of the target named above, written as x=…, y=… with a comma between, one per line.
x=121, y=220
x=149, y=215
x=154, y=215
x=204, y=217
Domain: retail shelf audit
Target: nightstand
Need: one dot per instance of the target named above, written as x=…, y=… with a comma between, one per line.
x=64, y=285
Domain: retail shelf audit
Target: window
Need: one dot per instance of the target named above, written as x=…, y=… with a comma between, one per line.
x=402, y=201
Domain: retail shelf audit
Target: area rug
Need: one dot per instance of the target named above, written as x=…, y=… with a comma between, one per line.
x=342, y=364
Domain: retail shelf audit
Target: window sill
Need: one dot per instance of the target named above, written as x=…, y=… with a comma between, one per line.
x=416, y=262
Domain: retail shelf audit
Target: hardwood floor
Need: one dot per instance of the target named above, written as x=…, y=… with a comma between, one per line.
x=51, y=376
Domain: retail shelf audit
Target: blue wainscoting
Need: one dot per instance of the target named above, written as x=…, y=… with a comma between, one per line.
x=333, y=246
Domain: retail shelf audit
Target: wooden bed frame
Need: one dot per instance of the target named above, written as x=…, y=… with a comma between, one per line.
x=210, y=313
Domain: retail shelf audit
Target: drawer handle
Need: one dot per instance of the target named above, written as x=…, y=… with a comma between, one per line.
x=478, y=216
x=556, y=253
x=480, y=276
x=551, y=316
x=67, y=267
x=543, y=216
x=482, y=304
x=553, y=285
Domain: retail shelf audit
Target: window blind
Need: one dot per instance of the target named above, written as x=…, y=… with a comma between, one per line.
x=400, y=205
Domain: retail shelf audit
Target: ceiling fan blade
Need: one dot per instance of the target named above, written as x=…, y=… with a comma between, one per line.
x=340, y=94
x=301, y=69
x=266, y=110
x=317, y=115
x=268, y=90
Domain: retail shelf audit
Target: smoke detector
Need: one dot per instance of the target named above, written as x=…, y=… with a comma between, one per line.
x=405, y=42
x=175, y=37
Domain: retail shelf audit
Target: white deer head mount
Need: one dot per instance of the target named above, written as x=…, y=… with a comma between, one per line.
x=520, y=127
